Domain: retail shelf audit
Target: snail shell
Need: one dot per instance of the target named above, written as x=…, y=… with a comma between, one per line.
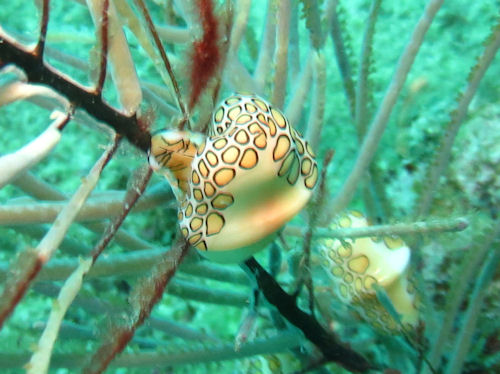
x=250, y=176
x=357, y=266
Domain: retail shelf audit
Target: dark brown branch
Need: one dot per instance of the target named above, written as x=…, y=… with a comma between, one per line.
x=40, y=47
x=139, y=183
x=24, y=272
x=329, y=345
x=38, y=71
x=104, y=26
x=69, y=117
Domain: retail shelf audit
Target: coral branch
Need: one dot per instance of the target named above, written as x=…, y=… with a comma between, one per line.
x=300, y=91
x=44, y=22
x=240, y=24
x=135, y=262
x=94, y=209
x=15, y=287
x=281, y=58
x=18, y=90
x=206, y=55
x=327, y=343
x=313, y=217
x=41, y=190
x=39, y=362
x=276, y=344
x=104, y=47
x=114, y=48
x=140, y=182
x=294, y=48
x=267, y=47
x=32, y=153
x=146, y=296
x=464, y=276
x=379, y=123
x=164, y=57
x=70, y=331
x=22, y=275
x=192, y=291
x=362, y=89
x=341, y=54
x=174, y=34
x=318, y=101
x=442, y=158
x=39, y=72
x=98, y=306
x=465, y=336
x=311, y=12
x=422, y=227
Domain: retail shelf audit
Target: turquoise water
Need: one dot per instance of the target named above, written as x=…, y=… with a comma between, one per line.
x=315, y=74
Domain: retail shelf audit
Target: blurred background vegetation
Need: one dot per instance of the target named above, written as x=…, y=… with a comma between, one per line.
x=469, y=188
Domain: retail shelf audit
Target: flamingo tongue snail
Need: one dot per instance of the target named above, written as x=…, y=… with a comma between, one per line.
x=358, y=267
x=236, y=188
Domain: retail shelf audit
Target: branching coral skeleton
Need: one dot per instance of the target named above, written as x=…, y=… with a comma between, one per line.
x=199, y=54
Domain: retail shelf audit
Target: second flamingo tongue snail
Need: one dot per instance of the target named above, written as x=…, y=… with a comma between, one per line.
x=357, y=267
x=238, y=186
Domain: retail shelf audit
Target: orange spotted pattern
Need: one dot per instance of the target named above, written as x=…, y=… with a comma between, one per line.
x=245, y=131
x=174, y=151
x=350, y=264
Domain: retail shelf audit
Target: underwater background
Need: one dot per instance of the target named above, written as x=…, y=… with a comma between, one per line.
x=400, y=103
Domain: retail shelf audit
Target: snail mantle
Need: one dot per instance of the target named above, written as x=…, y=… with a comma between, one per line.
x=237, y=186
